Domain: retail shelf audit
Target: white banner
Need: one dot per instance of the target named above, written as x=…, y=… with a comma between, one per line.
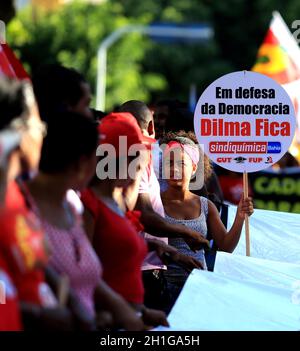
x=274, y=273
x=214, y=302
x=273, y=235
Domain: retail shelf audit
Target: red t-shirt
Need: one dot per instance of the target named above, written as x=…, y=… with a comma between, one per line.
x=232, y=188
x=119, y=247
x=22, y=244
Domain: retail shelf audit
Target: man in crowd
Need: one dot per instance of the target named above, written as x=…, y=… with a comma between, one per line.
x=150, y=204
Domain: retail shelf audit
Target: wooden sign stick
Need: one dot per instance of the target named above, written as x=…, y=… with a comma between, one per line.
x=247, y=227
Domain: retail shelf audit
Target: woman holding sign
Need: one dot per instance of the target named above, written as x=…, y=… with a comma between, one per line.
x=181, y=158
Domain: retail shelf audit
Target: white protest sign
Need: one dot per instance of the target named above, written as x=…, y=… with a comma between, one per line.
x=245, y=121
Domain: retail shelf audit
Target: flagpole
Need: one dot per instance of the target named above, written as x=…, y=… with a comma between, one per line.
x=247, y=227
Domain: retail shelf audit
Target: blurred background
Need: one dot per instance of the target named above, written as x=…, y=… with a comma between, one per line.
x=70, y=32
x=240, y=35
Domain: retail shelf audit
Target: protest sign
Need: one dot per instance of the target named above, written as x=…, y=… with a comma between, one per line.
x=245, y=122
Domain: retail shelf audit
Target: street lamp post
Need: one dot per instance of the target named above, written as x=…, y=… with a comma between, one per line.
x=203, y=33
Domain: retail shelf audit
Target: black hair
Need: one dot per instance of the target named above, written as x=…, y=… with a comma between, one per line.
x=97, y=114
x=12, y=101
x=55, y=88
x=67, y=141
x=139, y=110
x=183, y=137
x=170, y=103
x=178, y=117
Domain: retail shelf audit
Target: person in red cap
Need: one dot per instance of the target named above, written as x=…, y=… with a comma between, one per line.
x=158, y=292
x=113, y=230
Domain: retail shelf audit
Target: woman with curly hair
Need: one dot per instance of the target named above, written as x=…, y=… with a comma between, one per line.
x=180, y=162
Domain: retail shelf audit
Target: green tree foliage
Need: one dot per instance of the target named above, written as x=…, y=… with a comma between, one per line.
x=239, y=25
x=181, y=64
x=71, y=36
x=138, y=67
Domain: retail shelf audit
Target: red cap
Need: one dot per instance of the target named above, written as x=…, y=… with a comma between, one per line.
x=118, y=124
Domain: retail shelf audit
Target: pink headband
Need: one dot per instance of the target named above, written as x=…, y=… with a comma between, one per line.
x=190, y=150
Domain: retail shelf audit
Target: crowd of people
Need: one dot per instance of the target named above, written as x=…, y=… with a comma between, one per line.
x=92, y=239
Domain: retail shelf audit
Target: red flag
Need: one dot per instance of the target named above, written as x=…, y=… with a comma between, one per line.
x=279, y=58
x=10, y=65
